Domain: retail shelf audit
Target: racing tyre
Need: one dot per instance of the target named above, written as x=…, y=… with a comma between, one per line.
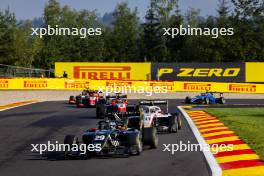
x=179, y=121
x=222, y=100
x=150, y=137
x=206, y=101
x=99, y=112
x=136, y=145
x=187, y=100
x=101, y=101
x=72, y=98
x=139, y=145
x=70, y=139
x=173, y=124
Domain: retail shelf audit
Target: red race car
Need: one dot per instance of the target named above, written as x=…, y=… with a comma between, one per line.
x=115, y=104
x=88, y=98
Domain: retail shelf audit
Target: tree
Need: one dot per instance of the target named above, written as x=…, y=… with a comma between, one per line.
x=248, y=8
x=26, y=47
x=153, y=46
x=52, y=17
x=248, y=24
x=223, y=8
x=165, y=8
x=125, y=34
x=176, y=44
x=7, y=36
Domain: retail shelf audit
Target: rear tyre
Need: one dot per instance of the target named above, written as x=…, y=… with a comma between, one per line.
x=187, y=100
x=179, y=121
x=173, y=124
x=99, y=112
x=150, y=137
x=72, y=98
x=206, y=101
x=101, y=101
x=222, y=100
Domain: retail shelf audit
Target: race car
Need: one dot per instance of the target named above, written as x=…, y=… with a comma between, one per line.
x=153, y=115
x=115, y=104
x=72, y=100
x=88, y=98
x=206, y=98
x=114, y=138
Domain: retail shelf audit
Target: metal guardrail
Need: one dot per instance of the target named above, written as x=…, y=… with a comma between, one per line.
x=9, y=71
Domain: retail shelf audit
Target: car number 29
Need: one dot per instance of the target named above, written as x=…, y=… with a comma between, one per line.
x=99, y=137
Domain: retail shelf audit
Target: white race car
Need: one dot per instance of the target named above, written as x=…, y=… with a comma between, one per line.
x=154, y=116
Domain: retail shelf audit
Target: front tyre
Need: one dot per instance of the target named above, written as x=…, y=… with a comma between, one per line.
x=139, y=144
x=173, y=124
x=150, y=137
x=70, y=140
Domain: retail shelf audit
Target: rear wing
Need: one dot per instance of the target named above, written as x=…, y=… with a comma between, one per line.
x=155, y=103
x=116, y=96
x=220, y=93
x=131, y=110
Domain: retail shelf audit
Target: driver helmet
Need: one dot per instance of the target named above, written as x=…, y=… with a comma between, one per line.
x=112, y=125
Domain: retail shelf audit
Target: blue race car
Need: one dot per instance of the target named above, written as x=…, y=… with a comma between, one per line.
x=206, y=98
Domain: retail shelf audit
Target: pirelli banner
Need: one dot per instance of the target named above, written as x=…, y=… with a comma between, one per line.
x=104, y=71
x=49, y=84
x=200, y=72
x=168, y=86
x=255, y=72
x=219, y=87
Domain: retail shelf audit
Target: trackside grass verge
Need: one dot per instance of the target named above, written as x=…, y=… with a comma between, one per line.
x=248, y=124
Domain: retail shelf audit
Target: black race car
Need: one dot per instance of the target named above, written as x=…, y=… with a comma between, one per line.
x=115, y=138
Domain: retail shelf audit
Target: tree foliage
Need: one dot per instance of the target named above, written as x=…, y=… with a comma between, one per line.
x=125, y=37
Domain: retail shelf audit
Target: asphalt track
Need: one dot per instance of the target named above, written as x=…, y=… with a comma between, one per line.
x=40, y=122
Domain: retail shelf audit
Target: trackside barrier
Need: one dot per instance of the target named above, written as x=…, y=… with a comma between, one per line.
x=79, y=84
x=104, y=70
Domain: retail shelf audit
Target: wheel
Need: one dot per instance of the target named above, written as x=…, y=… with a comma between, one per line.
x=179, y=121
x=173, y=124
x=150, y=137
x=135, y=143
x=99, y=112
x=72, y=98
x=206, y=101
x=222, y=100
x=188, y=100
x=101, y=101
x=139, y=145
x=70, y=139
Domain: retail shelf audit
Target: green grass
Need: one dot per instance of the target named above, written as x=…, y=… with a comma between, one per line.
x=248, y=123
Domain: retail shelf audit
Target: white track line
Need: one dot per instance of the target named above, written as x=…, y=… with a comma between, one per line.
x=214, y=166
x=19, y=105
